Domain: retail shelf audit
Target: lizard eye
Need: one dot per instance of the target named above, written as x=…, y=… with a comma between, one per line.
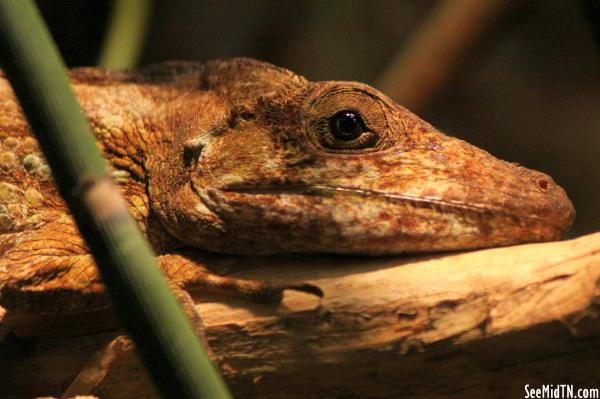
x=346, y=125
x=346, y=118
x=346, y=131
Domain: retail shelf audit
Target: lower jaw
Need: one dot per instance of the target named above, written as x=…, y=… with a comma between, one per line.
x=480, y=228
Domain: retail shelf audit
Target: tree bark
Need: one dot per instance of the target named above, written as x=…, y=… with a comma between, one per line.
x=474, y=324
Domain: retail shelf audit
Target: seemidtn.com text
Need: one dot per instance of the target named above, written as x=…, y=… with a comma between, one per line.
x=560, y=391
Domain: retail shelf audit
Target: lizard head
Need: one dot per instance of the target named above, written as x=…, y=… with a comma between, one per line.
x=339, y=167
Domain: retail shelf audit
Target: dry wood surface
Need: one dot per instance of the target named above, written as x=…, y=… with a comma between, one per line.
x=476, y=324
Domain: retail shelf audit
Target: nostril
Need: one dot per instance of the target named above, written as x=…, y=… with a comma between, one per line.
x=543, y=184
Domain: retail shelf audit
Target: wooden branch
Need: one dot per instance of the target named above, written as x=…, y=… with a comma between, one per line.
x=458, y=325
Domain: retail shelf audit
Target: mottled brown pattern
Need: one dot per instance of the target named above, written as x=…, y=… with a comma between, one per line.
x=239, y=157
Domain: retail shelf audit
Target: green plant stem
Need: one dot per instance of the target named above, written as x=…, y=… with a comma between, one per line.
x=165, y=340
x=124, y=37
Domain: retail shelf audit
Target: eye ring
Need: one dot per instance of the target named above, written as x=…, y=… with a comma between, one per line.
x=346, y=125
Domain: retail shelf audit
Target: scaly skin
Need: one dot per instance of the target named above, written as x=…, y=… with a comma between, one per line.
x=241, y=157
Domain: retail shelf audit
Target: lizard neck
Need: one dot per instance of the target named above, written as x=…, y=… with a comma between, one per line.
x=127, y=110
x=123, y=119
x=129, y=121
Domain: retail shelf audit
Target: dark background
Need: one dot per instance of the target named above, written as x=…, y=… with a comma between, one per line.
x=529, y=92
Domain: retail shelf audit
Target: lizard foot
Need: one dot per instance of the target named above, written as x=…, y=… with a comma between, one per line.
x=263, y=291
x=186, y=273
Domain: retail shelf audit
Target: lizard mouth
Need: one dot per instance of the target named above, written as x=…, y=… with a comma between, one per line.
x=456, y=207
x=329, y=191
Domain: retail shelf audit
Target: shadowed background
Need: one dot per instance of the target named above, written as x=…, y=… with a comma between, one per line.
x=527, y=89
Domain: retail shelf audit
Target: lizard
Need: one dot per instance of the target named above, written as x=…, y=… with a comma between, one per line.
x=243, y=157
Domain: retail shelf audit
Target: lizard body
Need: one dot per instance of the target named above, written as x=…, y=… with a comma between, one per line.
x=242, y=157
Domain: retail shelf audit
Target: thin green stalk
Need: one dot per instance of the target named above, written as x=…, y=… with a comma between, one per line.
x=124, y=38
x=165, y=340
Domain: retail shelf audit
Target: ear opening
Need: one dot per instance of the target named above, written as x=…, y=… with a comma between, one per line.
x=192, y=149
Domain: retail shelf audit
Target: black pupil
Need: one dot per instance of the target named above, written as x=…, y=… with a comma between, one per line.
x=346, y=125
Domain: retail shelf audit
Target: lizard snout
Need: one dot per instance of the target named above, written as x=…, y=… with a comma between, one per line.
x=559, y=209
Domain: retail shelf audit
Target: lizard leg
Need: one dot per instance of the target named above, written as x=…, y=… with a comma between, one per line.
x=49, y=270
x=183, y=269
